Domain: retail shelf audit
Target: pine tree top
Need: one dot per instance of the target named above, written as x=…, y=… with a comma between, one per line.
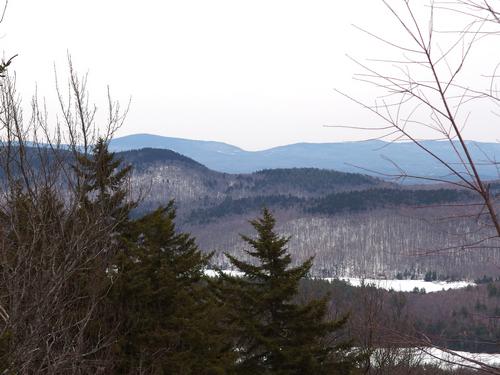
x=101, y=182
x=272, y=259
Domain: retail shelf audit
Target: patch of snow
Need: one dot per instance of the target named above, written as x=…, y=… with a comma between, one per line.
x=407, y=285
x=444, y=359
x=214, y=273
x=454, y=359
x=387, y=284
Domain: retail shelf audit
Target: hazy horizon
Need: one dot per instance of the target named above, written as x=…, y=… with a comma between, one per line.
x=284, y=144
x=257, y=75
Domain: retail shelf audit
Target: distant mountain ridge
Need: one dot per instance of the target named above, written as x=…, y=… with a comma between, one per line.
x=166, y=174
x=371, y=157
x=204, y=195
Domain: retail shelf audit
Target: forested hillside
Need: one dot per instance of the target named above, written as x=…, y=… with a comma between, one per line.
x=354, y=225
x=163, y=174
x=459, y=319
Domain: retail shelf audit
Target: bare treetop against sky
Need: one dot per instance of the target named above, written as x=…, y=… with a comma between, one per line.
x=254, y=73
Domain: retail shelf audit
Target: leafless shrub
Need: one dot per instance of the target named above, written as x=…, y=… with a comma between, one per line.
x=54, y=255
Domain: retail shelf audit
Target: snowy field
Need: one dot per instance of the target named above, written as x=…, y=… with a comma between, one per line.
x=394, y=284
x=407, y=285
x=456, y=359
x=444, y=359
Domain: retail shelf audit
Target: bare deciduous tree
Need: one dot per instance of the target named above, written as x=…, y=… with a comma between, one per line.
x=425, y=89
x=54, y=254
x=428, y=87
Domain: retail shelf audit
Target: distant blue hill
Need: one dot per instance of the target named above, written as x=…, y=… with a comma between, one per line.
x=369, y=157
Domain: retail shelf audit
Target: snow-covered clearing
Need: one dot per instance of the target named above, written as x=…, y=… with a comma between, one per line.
x=449, y=359
x=406, y=285
x=454, y=359
x=387, y=284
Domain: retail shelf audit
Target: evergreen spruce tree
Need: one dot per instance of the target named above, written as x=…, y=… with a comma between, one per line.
x=171, y=317
x=274, y=334
x=103, y=202
x=101, y=181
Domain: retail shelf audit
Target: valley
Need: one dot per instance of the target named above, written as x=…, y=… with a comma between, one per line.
x=354, y=225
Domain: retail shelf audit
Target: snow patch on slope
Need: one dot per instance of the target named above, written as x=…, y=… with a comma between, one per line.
x=407, y=285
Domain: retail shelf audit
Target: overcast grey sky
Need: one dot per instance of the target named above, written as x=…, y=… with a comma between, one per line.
x=255, y=74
